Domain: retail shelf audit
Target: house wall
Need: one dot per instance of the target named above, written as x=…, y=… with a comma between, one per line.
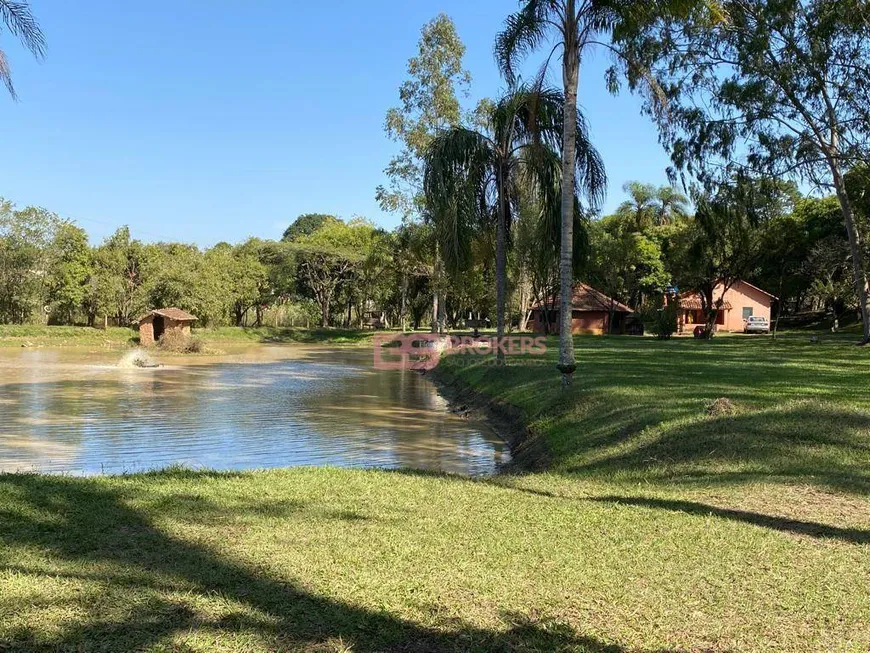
x=588, y=322
x=184, y=327
x=740, y=296
x=146, y=332
x=146, y=329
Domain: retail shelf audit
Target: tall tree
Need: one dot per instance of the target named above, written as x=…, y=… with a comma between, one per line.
x=467, y=171
x=430, y=101
x=671, y=206
x=720, y=246
x=626, y=264
x=69, y=268
x=779, y=88
x=649, y=206
x=19, y=21
x=577, y=25
x=25, y=236
x=116, y=286
x=328, y=257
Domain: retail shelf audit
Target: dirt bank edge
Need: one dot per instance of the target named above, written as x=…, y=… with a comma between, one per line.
x=529, y=451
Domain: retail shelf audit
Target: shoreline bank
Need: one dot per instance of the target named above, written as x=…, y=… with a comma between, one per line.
x=529, y=451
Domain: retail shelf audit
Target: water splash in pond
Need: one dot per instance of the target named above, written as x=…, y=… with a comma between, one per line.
x=81, y=413
x=136, y=358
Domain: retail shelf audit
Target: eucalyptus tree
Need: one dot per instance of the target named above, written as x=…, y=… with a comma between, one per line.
x=473, y=178
x=19, y=21
x=430, y=102
x=780, y=89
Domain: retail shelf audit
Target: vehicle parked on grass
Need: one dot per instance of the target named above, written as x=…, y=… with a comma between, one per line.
x=756, y=324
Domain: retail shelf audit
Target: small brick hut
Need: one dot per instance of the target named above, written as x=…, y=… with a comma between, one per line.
x=154, y=324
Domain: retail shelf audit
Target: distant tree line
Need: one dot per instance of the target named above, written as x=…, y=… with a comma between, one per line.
x=329, y=272
x=323, y=272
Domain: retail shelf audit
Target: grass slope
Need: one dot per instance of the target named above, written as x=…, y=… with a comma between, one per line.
x=117, y=337
x=64, y=336
x=659, y=528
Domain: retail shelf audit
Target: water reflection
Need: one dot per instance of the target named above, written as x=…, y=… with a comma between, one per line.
x=61, y=413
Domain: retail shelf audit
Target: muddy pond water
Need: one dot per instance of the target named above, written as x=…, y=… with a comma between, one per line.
x=78, y=412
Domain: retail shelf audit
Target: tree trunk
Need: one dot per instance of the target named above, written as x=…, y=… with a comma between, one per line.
x=435, y=302
x=570, y=72
x=855, y=245
x=779, y=302
x=524, y=303
x=403, y=306
x=710, y=312
x=324, y=312
x=435, y=286
x=500, y=267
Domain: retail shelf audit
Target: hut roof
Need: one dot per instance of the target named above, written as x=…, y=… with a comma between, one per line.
x=171, y=313
x=587, y=298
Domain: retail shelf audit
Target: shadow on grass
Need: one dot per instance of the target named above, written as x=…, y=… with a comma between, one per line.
x=797, y=527
x=82, y=522
x=782, y=524
x=807, y=442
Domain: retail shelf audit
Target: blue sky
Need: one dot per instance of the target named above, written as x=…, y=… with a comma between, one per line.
x=207, y=121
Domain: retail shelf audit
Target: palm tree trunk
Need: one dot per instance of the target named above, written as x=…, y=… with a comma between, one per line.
x=500, y=267
x=570, y=71
x=435, y=285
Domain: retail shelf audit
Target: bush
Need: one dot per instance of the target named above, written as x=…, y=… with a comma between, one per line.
x=178, y=342
x=660, y=319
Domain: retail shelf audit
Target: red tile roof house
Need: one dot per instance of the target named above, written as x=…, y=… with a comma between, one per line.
x=591, y=314
x=741, y=301
x=154, y=324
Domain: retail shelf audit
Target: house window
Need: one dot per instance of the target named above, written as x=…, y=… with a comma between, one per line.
x=747, y=312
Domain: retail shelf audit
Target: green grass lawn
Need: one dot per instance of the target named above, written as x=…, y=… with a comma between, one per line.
x=64, y=336
x=655, y=527
x=278, y=335
x=114, y=337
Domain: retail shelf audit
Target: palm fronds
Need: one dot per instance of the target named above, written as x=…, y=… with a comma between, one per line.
x=20, y=23
x=523, y=33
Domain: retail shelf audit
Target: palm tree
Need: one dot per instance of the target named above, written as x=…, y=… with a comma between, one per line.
x=577, y=25
x=639, y=211
x=19, y=22
x=473, y=179
x=649, y=206
x=672, y=206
